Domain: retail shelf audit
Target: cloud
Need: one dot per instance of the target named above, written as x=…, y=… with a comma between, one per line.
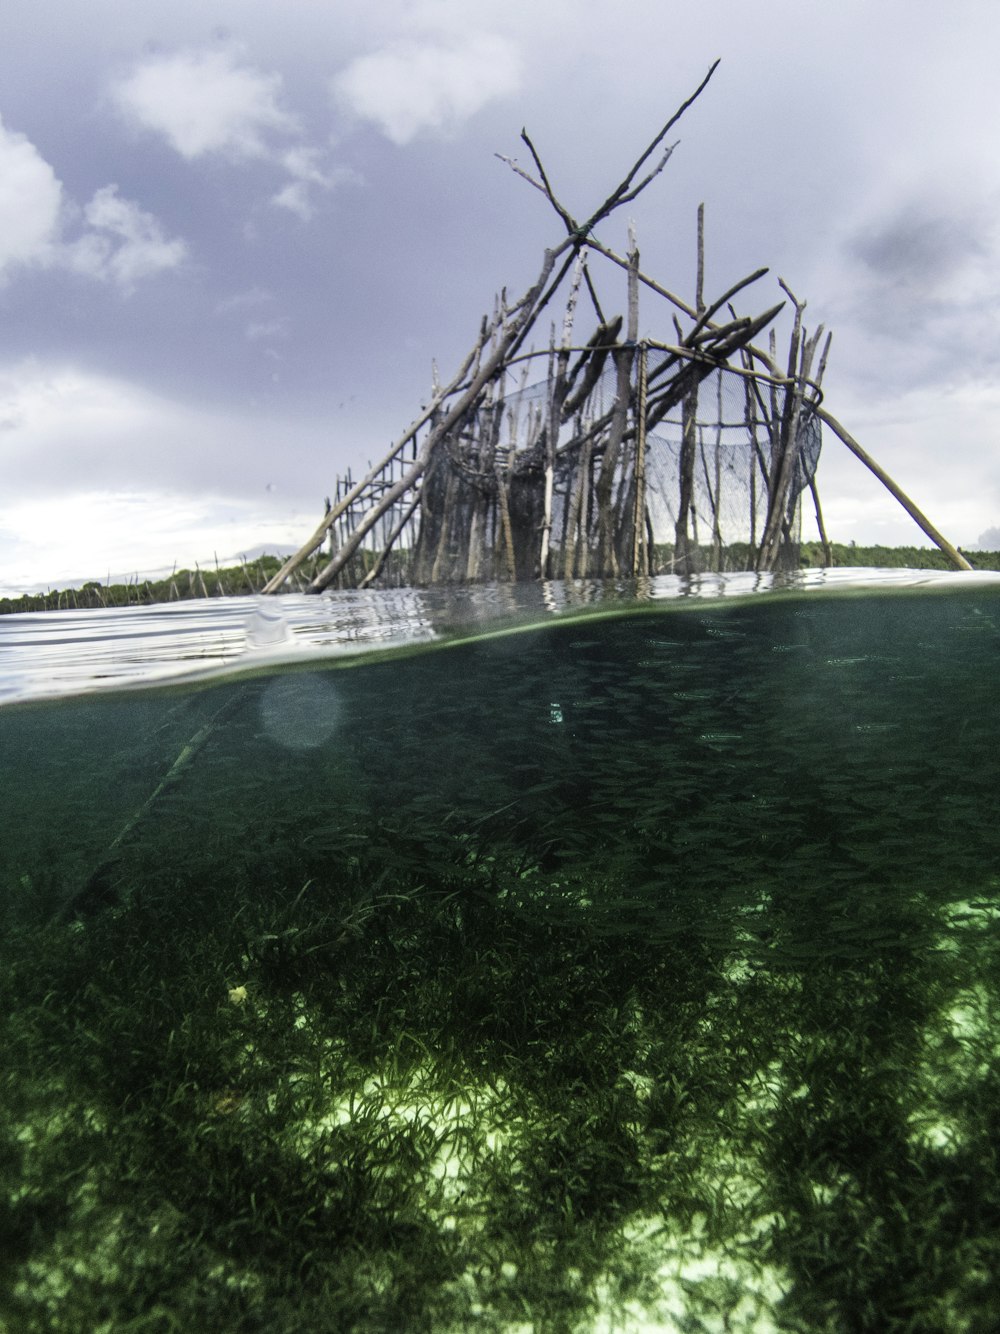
x=303, y=164
x=937, y=442
x=121, y=243
x=205, y=102
x=69, y=428
x=31, y=200
x=251, y=298
x=918, y=246
x=127, y=534
x=209, y=102
x=431, y=85
x=124, y=242
x=101, y=473
x=267, y=329
x=915, y=289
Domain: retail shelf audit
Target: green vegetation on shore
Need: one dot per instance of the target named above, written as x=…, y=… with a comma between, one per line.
x=893, y=558
x=251, y=576
x=230, y=581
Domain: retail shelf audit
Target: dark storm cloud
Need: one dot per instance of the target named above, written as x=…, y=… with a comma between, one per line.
x=918, y=247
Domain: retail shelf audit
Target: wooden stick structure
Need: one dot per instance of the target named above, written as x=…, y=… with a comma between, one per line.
x=622, y=456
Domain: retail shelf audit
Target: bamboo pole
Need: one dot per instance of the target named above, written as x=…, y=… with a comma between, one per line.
x=784, y=459
x=683, y=554
x=508, y=536
x=640, y=550
x=827, y=549
x=717, y=501
x=557, y=396
x=607, y=557
x=958, y=561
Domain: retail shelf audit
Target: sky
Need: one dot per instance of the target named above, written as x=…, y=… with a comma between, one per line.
x=234, y=236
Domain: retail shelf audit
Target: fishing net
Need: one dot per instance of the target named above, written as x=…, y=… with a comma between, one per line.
x=483, y=504
x=714, y=481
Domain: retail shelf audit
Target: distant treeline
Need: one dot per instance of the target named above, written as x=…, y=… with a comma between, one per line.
x=251, y=576
x=230, y=581
x=894, y=558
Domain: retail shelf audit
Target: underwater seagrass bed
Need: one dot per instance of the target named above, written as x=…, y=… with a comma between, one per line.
x=628, y=972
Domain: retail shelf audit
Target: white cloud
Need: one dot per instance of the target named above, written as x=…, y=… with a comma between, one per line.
x=206, y=102
x=267, y=329
x=68, y=427
x=64, y=428
x=935, y=443
x=209, y=102
x=124, y=242
x=59, y=542
x=295, y=197
x=251, y=298
x=101, y=474
x=30, y=202
x=434, y=85
x=304, y=165
x=121, y=242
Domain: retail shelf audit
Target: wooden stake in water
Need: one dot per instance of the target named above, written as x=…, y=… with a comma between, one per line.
x=98, y=892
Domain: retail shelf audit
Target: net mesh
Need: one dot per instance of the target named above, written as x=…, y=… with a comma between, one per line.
x=497, y=502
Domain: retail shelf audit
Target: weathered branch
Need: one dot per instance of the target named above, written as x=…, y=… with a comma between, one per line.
x=707, y=313
x=625, y=191
x=620, y=194
x=543, y=177
x=500, y=494
x=623, y=394
x=518, y=170
x=595, y=358
x=528, y=308
x=332, y=515
x=644, y=278
x=557, y=395
x=916, y=514
x=701, y=364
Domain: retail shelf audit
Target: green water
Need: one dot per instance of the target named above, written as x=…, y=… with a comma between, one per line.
x=640, y=973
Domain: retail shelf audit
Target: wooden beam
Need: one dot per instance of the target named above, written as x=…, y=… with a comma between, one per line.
x=917, y=515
